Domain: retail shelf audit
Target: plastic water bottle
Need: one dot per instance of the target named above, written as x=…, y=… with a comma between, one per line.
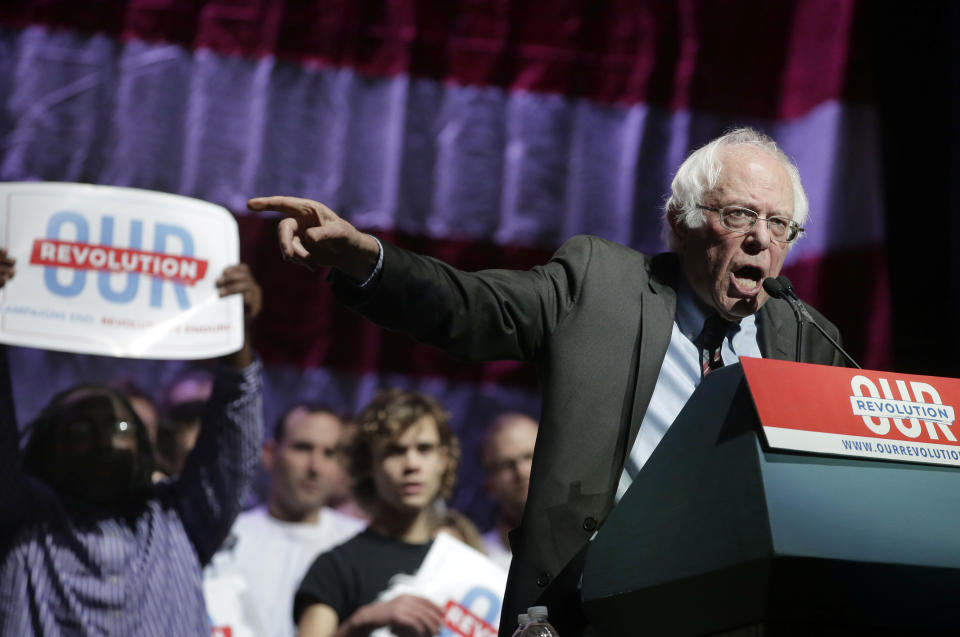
x=522, y=620
x=539, y=626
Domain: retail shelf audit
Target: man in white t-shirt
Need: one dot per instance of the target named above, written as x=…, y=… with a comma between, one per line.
x=270, y=547
x=507, y=457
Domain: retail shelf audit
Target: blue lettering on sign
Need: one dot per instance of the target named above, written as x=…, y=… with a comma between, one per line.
x=164, y=230
x=133, y=278
x=83, y=236
x=478, y=593
x=163, y=234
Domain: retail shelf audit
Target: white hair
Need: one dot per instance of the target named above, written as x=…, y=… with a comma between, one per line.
x=700, y=173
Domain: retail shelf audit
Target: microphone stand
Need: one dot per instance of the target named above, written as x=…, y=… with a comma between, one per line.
x=783, y=289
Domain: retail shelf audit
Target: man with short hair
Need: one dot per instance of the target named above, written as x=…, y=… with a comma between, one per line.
x=403, y=460
x=88, y=544
x=620, y=339
x=271, y=546
x=507, y=456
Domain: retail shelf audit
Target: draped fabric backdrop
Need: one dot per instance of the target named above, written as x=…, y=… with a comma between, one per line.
x=481, y=132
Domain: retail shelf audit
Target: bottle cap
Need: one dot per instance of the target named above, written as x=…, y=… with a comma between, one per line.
x=537, y=612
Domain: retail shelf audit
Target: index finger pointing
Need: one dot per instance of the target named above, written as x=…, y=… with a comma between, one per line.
x=287, y=205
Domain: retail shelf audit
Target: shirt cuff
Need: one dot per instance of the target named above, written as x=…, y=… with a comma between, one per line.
x=377, y=268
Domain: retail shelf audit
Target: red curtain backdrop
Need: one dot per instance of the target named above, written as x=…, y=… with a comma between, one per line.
x=481, y=132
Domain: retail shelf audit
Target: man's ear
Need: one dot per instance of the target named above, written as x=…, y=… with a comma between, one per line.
x=445, y=454
x=267, y=455
x=678, y=228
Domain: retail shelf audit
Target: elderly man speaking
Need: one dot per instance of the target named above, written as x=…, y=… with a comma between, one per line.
x=620, y=339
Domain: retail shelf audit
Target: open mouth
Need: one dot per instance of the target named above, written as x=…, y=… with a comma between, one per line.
x=412, y=488
x=747, y=279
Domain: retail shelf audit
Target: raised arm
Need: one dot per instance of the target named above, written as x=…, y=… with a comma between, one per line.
x=11, y=496
x=486, y=315
x=209, y=492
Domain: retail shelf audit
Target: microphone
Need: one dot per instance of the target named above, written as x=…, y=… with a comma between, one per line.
x=774, y=287
x=781, y=288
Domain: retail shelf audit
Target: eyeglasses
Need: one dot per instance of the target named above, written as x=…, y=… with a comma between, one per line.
x=740, y=219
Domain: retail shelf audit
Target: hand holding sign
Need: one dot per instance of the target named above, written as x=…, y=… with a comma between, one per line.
x=237, y=279
x=7, y=267
x=315, y=236
x=405, y=615
x=466, y=584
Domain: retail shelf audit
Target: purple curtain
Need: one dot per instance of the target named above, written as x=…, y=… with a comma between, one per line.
x=484, y=133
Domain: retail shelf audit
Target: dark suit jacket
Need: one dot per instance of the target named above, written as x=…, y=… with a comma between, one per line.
x=596, y=322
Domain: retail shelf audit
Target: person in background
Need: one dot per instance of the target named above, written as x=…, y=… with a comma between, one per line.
x=403, y=461
x=507, y=455
x=180, y=425
x=341, y=496
x=271, y=546
x=89, y=545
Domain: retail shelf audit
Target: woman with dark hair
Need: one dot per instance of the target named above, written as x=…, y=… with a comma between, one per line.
x=88, y=546
x=90, y=446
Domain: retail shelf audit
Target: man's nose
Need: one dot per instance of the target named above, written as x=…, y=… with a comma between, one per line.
x=758, y=236
x=318, y=462
x=523, y=471
x=412, y=459
x=521, y=467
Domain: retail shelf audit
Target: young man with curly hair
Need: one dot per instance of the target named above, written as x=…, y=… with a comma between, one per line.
x=403, y=460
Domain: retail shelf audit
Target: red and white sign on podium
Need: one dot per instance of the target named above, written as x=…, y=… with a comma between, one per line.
x=856, y=412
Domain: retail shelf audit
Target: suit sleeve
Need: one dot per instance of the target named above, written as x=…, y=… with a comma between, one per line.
x=485, y=315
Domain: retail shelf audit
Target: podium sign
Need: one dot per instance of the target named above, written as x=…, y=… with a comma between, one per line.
x=760, y=541
x=852, y=412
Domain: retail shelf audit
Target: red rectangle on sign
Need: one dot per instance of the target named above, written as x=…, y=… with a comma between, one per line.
x=856, y=412
x=86, y=256
x=461, y=621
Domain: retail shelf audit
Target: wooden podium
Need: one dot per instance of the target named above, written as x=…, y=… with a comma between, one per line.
x=721, y=534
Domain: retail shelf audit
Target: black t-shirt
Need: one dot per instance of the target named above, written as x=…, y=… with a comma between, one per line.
x=352, y=574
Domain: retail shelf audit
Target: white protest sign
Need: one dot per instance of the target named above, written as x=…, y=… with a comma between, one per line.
x=464, y=582
x=117, y=272
x=229, y=606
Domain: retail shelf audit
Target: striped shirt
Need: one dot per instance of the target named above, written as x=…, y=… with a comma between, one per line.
x=121, y=577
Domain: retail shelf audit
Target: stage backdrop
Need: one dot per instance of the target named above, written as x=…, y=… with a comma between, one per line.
x=484, y=133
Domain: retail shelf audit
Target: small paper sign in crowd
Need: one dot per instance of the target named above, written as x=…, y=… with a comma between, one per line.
x=462, y=581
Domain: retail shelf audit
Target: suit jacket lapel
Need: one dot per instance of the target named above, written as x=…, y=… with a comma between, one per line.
x=658, y=307
x=777, y=337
